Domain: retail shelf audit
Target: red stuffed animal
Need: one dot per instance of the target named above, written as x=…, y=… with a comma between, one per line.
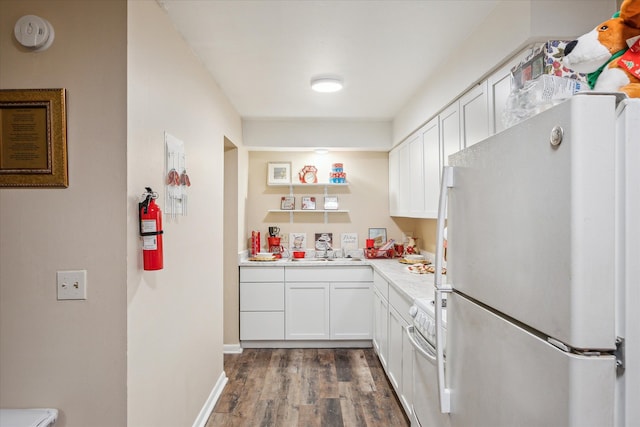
x=610, y=53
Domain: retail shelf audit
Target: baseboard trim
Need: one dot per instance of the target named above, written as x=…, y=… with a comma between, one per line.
x=206, y=410
x=308, y=344
x=232, y=349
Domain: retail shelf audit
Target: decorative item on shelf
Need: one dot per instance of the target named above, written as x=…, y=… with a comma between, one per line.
x=337, y=175
x=308, y=203
x=308, y=175
x=331, y=202
x=279, y=173
x=287, y=203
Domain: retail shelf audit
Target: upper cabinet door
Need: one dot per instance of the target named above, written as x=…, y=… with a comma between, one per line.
x=499, y=88
x=449, y=133
x=394, y=181
x=474, y=112
x=430, y=184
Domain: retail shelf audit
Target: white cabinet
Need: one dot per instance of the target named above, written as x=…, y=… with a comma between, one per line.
x=474, y=115
x=449, y=134
x=307, y=311
x=350, y=311
x=400, y=348
x=261, y=303
x=499, y=88
x=394, y=182
x=404, y=178
x=430, y=188
x=328, y=303
x=391, y=317
x=381, y=318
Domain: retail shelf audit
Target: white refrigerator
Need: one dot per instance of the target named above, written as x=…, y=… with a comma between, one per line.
x=543, y=271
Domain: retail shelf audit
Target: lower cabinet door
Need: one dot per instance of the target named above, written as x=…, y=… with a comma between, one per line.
x=307, y=308
x=261, y=325
x=351, y=311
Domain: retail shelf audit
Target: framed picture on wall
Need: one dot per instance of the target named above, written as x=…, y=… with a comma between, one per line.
x=287, y=203
x=308, y=203
x=278, y=173
x=331, y=202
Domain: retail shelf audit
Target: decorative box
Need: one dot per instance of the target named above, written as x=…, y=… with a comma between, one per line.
x=546, y=59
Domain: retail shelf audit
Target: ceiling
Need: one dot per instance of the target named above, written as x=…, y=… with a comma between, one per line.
x=263, y=53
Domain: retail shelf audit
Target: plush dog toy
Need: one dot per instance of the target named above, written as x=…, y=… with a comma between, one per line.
x=610, y=53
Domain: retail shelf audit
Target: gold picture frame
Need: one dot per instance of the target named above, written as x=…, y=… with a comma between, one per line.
x=33, y=138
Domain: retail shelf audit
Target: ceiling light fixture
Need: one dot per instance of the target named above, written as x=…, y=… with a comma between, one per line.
x=326, y=84
x=321, y=151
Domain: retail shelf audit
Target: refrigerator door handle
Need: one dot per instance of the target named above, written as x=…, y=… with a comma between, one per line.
x=444, y=393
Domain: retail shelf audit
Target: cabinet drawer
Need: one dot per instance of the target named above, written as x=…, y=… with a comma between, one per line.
x=261, y=274
x=256, y=296
x=400, y=303
x=329, y=274
x=258, y=325
x=381, y=285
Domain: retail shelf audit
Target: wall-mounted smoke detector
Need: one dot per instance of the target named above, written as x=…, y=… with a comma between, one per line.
x=34, y=33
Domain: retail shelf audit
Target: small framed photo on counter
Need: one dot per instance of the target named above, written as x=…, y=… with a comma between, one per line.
x=331, y=202
x=379, y=236
x=287, y=203
x=308, y=203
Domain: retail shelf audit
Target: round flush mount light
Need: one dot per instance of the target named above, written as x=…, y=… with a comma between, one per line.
x=326, y=84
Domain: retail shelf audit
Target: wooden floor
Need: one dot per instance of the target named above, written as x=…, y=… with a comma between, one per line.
x=306, y=387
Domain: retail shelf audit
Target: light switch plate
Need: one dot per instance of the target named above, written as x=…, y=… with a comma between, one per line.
x=72, y=285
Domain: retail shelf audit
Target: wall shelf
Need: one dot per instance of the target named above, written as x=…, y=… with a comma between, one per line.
x=326, y=212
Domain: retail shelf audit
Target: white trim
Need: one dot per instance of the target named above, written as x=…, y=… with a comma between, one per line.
x=308, y=344
x=232, y=349
x=206, y=410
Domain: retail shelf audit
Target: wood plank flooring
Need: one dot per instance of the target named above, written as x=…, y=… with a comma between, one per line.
x=306, y=387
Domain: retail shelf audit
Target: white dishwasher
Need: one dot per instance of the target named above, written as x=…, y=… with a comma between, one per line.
x=426, y=404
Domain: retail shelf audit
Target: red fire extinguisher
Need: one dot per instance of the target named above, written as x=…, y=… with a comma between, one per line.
x=151, y=231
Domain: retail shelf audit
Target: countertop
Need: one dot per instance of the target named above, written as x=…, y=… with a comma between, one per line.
x=411, y=285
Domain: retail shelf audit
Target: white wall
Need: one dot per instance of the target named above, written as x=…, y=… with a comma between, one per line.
x=69, y=355
x=368, y=135
x=366, y=197
x=512, y=26
x=175, y=316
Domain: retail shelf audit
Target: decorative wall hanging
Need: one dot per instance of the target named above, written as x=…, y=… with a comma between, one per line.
x=279, y=173
x=33, y=138
x=177, y=180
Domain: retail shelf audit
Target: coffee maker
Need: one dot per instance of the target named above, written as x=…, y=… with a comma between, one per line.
x=273, y=241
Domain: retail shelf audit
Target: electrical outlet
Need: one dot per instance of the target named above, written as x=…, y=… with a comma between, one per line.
x=72, y=284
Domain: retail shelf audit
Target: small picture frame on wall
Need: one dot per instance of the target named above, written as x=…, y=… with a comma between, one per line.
x=308, y=203
x=331, y=202
x=278, y=173
x=287, y=203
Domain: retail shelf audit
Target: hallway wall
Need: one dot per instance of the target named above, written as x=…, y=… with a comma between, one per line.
x=69, y=355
